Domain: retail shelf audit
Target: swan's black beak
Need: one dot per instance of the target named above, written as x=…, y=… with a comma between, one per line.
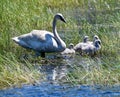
x=63, y=20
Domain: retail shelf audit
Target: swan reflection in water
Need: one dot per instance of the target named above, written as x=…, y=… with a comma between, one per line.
x=59, y=73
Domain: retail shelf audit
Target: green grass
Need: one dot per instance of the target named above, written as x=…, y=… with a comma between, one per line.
x=15, y=73
x=84, y=17
x=106, y=72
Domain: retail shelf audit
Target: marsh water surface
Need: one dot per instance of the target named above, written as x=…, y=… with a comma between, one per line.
x=53, y=86
x=47, y=89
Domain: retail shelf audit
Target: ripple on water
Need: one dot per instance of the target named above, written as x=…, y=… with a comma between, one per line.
x=47, y=89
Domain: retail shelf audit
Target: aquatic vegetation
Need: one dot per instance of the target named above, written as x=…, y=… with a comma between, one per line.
x=84, y=17
x=95, y=73
x=15, y=73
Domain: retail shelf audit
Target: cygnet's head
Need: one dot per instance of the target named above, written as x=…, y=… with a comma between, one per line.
x=71, y=46
x=95, y=37
x=86, y=39
x=97, y=43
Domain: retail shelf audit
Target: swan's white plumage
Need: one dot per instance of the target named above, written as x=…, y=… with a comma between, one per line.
x=41, y=40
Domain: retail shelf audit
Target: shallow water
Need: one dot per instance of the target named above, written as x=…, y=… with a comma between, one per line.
x=47, y=89
x=56, y=69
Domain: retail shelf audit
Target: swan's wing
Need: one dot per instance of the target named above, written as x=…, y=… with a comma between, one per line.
x=36, y=35
x=34, y=38
x=23, y=40
x=39, y=40
x=41, y=35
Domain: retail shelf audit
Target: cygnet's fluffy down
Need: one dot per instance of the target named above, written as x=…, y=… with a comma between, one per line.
x=69, y=50
x=79, y=46
x=89, y=47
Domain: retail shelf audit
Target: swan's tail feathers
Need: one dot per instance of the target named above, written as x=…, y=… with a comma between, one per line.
x=20, y=42
x=16, y=39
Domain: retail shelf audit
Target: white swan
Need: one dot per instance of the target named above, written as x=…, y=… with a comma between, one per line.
x=42, y=41
x=69, y=50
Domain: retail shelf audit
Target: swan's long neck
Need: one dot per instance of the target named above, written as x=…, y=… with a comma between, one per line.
x=54, y=29
x=57, y=37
